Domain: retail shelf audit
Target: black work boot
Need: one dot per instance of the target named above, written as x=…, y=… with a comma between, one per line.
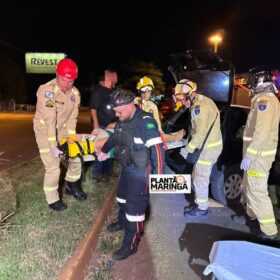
x=123, y=253
x=114, y=227
x=188, y=209
x=196, y=212
x=74, y=189
x=58, y=206
x=265, y=237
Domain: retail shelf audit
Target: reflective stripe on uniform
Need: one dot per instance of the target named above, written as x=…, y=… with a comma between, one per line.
x=44, y=150
x=138, y=140
x=71, y=131
x=132, y=218
x=50, y=188
x=42, y=121
x=51, y=138
x=120, y=200
x=192, y=146
x=245, y=138
x=267, y=221
x=204, y=162
x=215, y=144
x=201, y=200
x=257, y=174
x=153, y=141
x=265, y=153
x=75, y=177
x=252, y=151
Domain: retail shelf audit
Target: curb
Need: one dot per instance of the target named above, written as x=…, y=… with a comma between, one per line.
x=75, y=267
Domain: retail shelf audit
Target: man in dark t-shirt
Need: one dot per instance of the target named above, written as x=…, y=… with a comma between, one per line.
x=103, y=115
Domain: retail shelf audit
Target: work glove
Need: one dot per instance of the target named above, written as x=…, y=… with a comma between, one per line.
x=56, y=152
x=245, y=163
x=102, y=156
x=183, y=152
x=95, y=131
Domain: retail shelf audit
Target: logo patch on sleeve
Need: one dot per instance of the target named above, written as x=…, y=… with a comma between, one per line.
x=49, y=103
x=49, y=94
x=262, y=105
x=150, y=125
x=197, y=110
x=72, y=98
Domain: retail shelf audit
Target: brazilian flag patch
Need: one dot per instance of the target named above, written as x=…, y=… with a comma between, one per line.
x=150, y=125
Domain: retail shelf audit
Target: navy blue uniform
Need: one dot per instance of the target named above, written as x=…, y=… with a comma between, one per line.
x=139, y=148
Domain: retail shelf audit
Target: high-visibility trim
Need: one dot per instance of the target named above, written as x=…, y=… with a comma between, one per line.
x=252, y=151
x=44, y=150
x=153, y=141
x=42, y=121
x=51, y=138
x=265, y=153
x=204, y=162
x=138, y=140
x=74, y=177
x=257, y=174
x=132, y=218
x=215, y=144
x=267, y=221
x=246, y=138
x=201, y=200
x=192, y=146
x=49, y=189
x=71, y=131
x=120, y=200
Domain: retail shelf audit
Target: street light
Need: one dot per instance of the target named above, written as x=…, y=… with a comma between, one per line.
x=216, y=39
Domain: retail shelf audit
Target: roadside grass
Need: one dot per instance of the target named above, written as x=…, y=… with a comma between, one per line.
x=40, y=240
x=100, y=266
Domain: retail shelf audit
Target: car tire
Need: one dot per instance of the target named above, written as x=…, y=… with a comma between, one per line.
x=226, y=184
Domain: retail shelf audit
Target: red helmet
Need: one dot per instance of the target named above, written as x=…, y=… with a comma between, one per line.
x=67, y=68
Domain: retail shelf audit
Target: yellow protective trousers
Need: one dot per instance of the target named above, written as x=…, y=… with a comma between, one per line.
x=201, y=175
x=52, y=169
x=258, y=201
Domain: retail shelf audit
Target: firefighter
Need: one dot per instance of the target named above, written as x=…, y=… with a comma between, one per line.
x=56, y=117
x=145, y=87
x=205, y=118
x=139, y=149
x=260, y=138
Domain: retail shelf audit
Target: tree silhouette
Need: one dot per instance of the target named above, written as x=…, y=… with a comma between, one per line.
x=133, y=71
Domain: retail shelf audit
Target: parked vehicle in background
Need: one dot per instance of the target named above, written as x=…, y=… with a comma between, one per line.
x=216, y=79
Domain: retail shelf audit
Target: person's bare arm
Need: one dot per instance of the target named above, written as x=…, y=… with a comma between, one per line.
x=95, y=119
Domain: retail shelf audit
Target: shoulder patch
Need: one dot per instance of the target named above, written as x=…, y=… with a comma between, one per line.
x=197, y=109
x=73, y=98
x=151, y=111
x=262, y=105
x=150, y=125
x=49, y=103
x=49, y=94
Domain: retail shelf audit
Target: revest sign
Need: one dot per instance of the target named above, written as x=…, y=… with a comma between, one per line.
x=42, y=63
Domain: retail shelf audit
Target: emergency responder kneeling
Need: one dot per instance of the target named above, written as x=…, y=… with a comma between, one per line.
x=260, y=140
x=139, y=149
x=55, y=118
x=205, y=131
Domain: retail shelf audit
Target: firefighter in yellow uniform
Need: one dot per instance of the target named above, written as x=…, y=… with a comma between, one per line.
x=260, y=140
x=205, y=119
x=56, y=117
x=145, y=87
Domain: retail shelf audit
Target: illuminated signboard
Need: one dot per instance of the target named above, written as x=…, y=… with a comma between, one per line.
x=42, y=63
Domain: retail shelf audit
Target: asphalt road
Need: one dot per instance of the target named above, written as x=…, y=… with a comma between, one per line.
x=17, y=141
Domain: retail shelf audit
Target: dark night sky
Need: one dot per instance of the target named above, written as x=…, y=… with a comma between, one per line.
x=110, y=33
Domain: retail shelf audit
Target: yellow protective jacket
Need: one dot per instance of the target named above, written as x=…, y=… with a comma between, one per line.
x=203, y=114
x=149, y=107
x=56, y=112
x=260, y=136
